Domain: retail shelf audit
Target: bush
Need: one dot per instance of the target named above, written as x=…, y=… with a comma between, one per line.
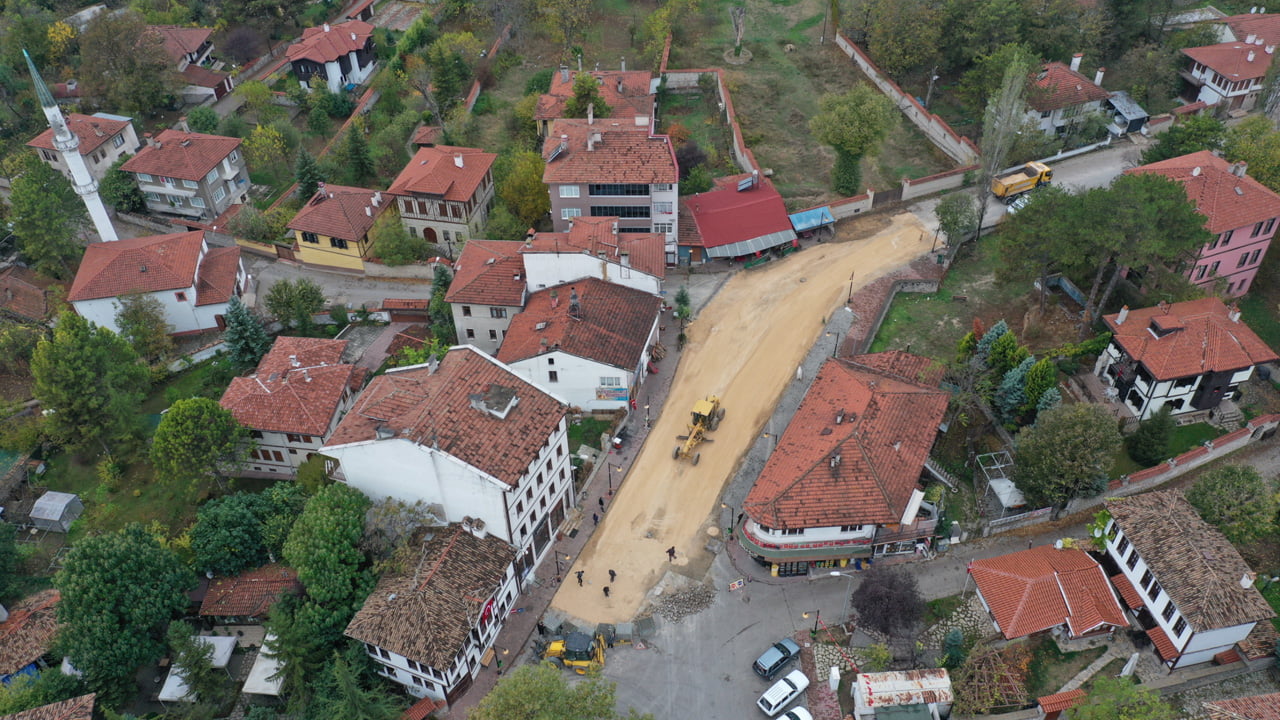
x=540, y=83
x=484, y=105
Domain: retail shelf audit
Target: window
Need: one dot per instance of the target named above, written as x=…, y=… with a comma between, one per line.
x=145, y=177
x=192, y=184
x=417, y=680
x=1122, y=547
x=664, y=227
x=256, y=434
x=566, y=213
x=621, y=211
x=662, y=207
x=298, y=438
x=234, y=156
x=1253, y=258
x=212, y=177
x=1133, y=560
x=850, y=528
x=493, y=334
x=553, y=376
x=1244, y=260
x=1243, y=284
x=1226, y=237
x=466, y=311
x=1180, y=626
x=1168, y=610
x=1147, y=579
x=617, y=190
x=1200, y=271
x=310, y=237
x=497, y=312
x=610, y=381
x=338, y=243
x=1155, y=590
x=1257, y=228
x=197, y=201
x=180, y=296
x=152, y=196
x=569, y=191
x=551, y=361
x=117, y=141
x=1270, y=225
x=219, y=194
x=471, y=334
x=793, y=531
x=1213, y=269
x=662, y=187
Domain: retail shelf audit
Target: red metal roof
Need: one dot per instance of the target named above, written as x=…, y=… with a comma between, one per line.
x=623, y=154
x=182, y=155
x=138, y=265
x=597, y=236
x=330, y=42
x=301, y=398
x=884, y=431
x=611, y=327
x=488, y=272
x=1234, y=61
x=93, y=131
x=1206, y=340
x=445, y=171
x=1226, y=200
x=725, y=216
x=1058, y=86
x=1042, y=587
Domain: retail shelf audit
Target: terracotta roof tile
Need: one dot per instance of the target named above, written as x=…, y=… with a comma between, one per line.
x=612, y=326
x=1164, y=646
x=488, y=272
x=904, y=366
x=1196, y=565
x=330, y=42
x=1261, y=641
x=427, y=705
x=24, y=293
x=1127, y=591
x=1058, y=86
x=1043, y=587
x=623, y=154
x=77, y=708
x=138, y=265
x=301, y=399
x=427, y=135
x=594, y=236
x=426, y=612
x=203, y=76
x=1207, y=340
x=181, y=41
x=251, y=593
x=436, y=409
x=1264, y=25
x=182, y=155
x=217, y=276
x=1061, y=701
x=1234, y=61
x=625, y=92
x=92, y=130
x=725, y=216
x=1254, y=707
x=340, y=211
x=886, y=432
x=434, y=171
x=1227, y=202
x=28, y=633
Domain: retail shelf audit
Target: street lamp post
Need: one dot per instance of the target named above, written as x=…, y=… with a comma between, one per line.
x=850, y=300
x=835, y=351
x=844, y=614
x=612, y=468
x=646, y=416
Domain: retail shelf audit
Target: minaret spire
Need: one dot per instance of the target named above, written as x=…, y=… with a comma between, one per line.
x=68, y=144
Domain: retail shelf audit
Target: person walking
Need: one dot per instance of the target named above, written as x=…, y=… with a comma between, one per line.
x=606, y=591
x=671, y=553
x=579, y=574
x=499, y=666
x=595, y=518
x=542, y=629
x=601, y=501
x=612, y=576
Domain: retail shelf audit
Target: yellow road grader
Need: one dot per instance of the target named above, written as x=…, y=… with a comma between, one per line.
x=706, y=417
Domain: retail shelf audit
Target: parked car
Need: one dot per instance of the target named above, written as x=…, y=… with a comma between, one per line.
x=771, y=662
x=1018, y=203
x=783, y=692
x=796, y=713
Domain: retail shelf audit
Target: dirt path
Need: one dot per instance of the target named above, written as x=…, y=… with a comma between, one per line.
x=744, y=346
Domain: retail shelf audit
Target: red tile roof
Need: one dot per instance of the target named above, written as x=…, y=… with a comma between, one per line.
x=1199, y=568
x=1127, y=591
x=623, y=154
x=1043, y=587
x=28, y=633
x=300, y=399
x=359, y=8
x=330, y=42
x=887, y=428
x=1234, y=61
x=1202, y=338
x=181, y=41
x=595, y=236
x=435, y=171
x=488, y=272
x=1164, y=646
x=138, y=265
x=93, y=131
x=77, y=708
x=1227, y=201
x=1058, y=86
x=24, y=293
x=904, y=366
x=251, y=593
x=1254, y=707
x=427, y=135
x=1061, y=701
x=427, y=705
x=217, y=276
x=340, y=211
x=182, y=155
x=625, y=92
x=203, y=76
x=438, y=409
x=612, y=326
x=1263, y=25
x=725, y=216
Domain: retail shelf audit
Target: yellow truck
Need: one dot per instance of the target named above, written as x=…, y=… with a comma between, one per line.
x=1016, y=182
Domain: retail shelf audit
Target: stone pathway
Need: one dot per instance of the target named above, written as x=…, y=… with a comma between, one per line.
x=970, y=618
x=1113, y=652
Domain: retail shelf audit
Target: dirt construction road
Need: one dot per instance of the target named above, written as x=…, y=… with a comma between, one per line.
x=745, y=346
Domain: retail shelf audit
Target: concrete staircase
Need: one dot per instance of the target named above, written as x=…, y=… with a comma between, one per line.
x=1228, y=417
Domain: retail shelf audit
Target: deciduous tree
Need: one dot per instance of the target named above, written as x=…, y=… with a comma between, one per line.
x=1237, y=500
x=47, y=217
x=227, y=536
x=91, y=383
x=293, y=302
x=119, y=190
x=1255, y=141
x=128, y=65
x=541, y=692
x=1120, y=698
x=904, y=35
x=119, y=591
x=1042, y=237
x=1002, y=122
x=324, y=547
x=246, y=339
x=393, y=244
x=1067, y=454
x=566, y=20
x=888, y=601
x=957, y=217
x=265, y=150
x=586, y=94
x=260, y=100
x=439, y=311
x=198, y=439
x=143, y=325
x=203, y=119
x=854, y=124
x=521, y=188
x=18, y=343
x=1196, y=133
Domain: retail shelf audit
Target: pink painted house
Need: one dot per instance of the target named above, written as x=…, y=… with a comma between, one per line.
x=1239, y=210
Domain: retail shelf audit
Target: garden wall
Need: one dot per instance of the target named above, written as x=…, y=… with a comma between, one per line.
x=949, y=180
x=958, y=148
x=687, y=81
x=417, y=271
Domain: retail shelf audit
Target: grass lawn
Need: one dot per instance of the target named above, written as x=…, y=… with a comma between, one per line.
x=1260, y=309
x=587, y=432
x=1051, y=668
x=941, y=608
x=1184, y=438
x=1111, y=669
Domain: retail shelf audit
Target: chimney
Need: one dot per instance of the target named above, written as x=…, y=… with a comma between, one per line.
x=619, y=86
x=1248, y=39
x=1075, y=61
x=579, y=63
x=353, y=37
x=457, y=159
x=615, y=227
x=151, y=141
x=1124, y=315
x=1233, y=313
x=293, y=361
x=1195, y=171
x=564, y=73
x=368, y=212
x=624, y=64
x=591, y=138
x=1238, y=168
x=1270, y=49
x=575, y=308
x=1097, y=77
x=377, y=197
x=591, y=113
x=72, y=84
x=1251, y=56
x=182, y=124
x=326, y=27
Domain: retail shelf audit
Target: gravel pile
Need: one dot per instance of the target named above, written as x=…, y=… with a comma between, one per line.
x=684, y=602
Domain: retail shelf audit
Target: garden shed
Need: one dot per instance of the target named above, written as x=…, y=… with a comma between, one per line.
x=56, y=511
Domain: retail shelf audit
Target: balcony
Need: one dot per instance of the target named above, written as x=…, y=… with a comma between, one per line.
x=798, y=551
x=166, y=189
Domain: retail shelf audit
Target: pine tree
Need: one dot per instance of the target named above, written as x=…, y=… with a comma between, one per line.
x=1051, y=399
x=307, y=173
x=1040, y=378
x=1005, y=354
x=1012, y=394
x=1149, y=444
x=990, y=337
x=246, y=339
x=358, y=159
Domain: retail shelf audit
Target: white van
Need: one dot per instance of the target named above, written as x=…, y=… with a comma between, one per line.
x=783, y=692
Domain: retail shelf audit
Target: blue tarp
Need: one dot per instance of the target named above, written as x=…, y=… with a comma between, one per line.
x=810, y=219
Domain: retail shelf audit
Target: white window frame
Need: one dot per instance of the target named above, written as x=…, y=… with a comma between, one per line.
x=566, y=213
x=570, y=191
x=663, y=207
x=610, y=381
x=117, y=141
x=219, y=193
x=234, y=156
x=664, y=227
x=197, y=201
x=662, y=187
x=190, y=184
x=212, y=177
x=145, y=177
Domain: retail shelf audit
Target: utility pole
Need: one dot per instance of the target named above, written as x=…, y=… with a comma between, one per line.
x=933, y=75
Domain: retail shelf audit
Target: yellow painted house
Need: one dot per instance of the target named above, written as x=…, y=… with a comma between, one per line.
x=332, y=229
